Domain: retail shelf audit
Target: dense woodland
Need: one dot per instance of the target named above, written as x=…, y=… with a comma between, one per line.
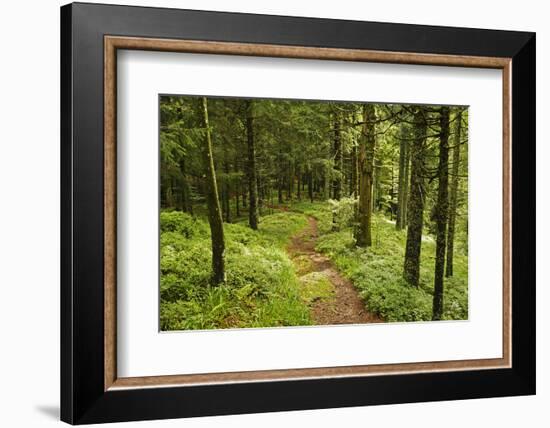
x=381, y=190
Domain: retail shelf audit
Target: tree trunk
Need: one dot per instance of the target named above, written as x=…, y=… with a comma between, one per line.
x=353, y=173
x=376, y=186
x=338, y=152
x=212, y=200
x=392, y=192
x=260, y=193
x=226, y=186
x=185, y=190
x=251, y=167
x=169, y=198
x=406, y=185
x=280, y=176
x=290, y=184
x=366, y=169
x=227, y=205
x=237, y=189
x=400, y=221
x=310, y=185
x=327, y=182
x=237, y=207
x=454, y=194
x=441, y=212
x=299, y=183
x=415, y=206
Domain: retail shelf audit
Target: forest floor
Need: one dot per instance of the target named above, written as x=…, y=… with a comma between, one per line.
x=334, y=298
x=299, y=268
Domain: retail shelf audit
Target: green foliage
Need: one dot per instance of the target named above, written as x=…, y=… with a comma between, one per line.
x=377, y=273
x=296, y=158
x=261, y=289
x=343, y=212
x=321, y=211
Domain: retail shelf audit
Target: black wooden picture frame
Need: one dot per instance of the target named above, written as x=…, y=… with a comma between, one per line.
x=84, y=397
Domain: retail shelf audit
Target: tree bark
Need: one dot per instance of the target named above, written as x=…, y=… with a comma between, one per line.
x=415, y=206
x=406, y=185
x=226, y=186
x=441, y=212
x=251, y=167
x=338, y=158
x=212, y=200
x=400, y=221
x=366, y=169
x=454, y=194
x=353, y=173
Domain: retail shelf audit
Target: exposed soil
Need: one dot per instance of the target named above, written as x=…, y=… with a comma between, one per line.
x=345, y=306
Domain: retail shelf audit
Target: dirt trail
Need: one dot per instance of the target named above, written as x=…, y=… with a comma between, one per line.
x=342, y=305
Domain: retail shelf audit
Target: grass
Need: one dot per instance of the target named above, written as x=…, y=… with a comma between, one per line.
x=261, y=289
x=315, y=286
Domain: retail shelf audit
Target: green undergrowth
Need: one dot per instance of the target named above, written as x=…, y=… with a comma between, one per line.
x=320, y=211
x=377, y=273
x=261, y=289
x=315, y=286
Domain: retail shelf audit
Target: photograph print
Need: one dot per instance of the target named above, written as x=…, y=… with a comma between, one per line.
x=277, y=213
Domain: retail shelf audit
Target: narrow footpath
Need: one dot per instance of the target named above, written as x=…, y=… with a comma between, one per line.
x=337, y=302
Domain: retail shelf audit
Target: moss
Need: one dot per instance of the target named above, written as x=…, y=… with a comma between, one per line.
x=315, y=286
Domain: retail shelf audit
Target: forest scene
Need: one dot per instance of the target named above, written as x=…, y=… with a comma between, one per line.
x=294, y=213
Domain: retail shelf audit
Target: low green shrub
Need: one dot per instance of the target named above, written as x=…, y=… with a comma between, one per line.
x=377, y=273
x=261, y=288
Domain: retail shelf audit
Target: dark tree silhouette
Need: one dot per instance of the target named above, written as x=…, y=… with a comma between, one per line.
x=415, y=207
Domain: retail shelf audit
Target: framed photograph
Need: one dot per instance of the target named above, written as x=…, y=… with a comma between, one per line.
x=266, y=213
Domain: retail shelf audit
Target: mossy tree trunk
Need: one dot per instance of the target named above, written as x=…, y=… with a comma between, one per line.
x=406, y=184
x=441, y=213
x=353, y=173
x=212, y=199
x=454, y=195
x=400, y=220
x=251, y=167
x=415, y=205
x=366, y=170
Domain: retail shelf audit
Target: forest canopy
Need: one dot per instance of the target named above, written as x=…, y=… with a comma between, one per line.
x=294, y=212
